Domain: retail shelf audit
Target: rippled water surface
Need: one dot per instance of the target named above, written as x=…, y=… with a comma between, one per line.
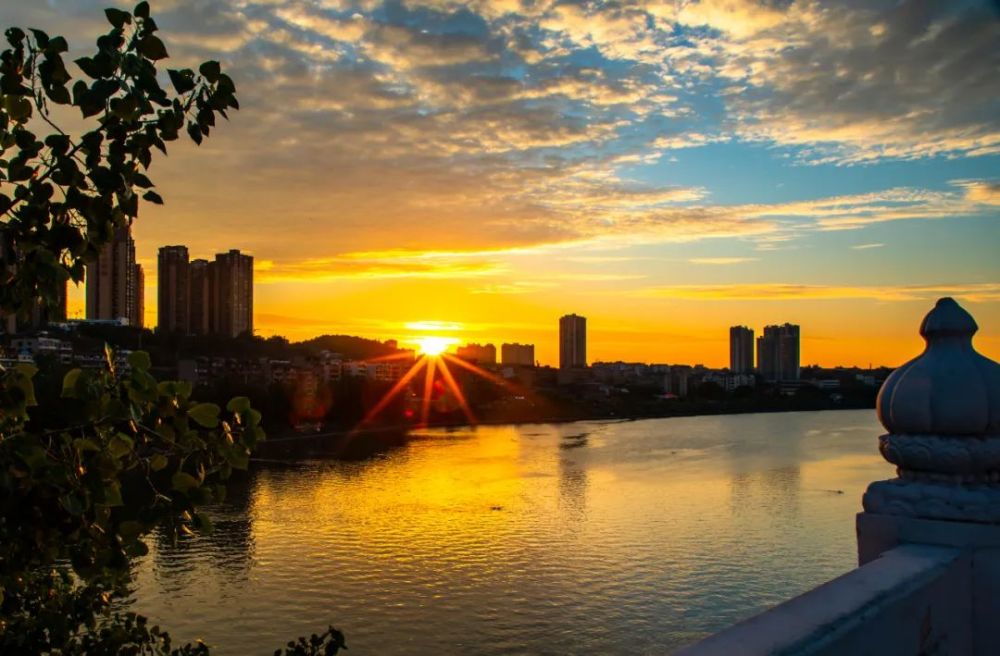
x=603, y=538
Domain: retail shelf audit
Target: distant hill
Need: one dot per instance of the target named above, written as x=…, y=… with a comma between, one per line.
x=167, y=348
x=351, y=347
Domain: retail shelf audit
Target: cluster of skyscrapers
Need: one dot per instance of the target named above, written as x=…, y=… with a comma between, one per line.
x=194, y=297
x=199, y=297
x=777, y=352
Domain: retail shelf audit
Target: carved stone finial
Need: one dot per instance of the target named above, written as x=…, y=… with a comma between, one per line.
x=949, y=389
x=942, y=411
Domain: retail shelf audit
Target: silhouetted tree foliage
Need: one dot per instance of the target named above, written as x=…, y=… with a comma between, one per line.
x=82, y=485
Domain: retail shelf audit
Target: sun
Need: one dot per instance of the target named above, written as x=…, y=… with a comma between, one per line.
x=433, y=346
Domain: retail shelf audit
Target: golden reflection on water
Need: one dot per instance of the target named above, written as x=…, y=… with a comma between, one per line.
x=587, y=536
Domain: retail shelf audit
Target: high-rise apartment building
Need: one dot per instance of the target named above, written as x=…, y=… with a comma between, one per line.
x=572, y=342
x=173, y=290
x=517, y=354
x=778, y=352
x=199, y=305
x=140, y=297
x=232, y=293
x=740, y=349
x=112, y=288
x=479, y=353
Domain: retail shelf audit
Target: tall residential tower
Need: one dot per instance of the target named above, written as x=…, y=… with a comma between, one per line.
x=778, y=352
x=740, y=349
x=173, y=290
x=572, y=342
x=112, y=287
x=232, y=293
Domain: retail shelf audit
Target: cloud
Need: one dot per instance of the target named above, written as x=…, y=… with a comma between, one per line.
x=863, y=247
x=722, y=260
x=369, y=266
x=491, y=125
x=981, y=192
x=513, y=288
x=972, y=292
x=853, y=84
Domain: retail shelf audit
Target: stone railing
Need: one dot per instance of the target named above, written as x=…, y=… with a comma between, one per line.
x=929, y=539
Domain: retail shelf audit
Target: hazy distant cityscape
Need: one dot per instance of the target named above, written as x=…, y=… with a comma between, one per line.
x=205, y=336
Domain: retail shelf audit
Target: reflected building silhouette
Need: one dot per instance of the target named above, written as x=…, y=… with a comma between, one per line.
x=573, y=475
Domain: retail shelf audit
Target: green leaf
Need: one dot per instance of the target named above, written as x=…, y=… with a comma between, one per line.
x=120, y=445
x=193, y=131
x=117, y=17
x=58, y=44
x=238, y=457
x=136, y=549
x=152, y=48
x=75, y=504
x=140, y=180
x=211, y=71
x=82, y=445
x=183, y=80
x=153, y=197
x=113, y=495
x=17, y=107
x=139, y=360
x=23, y=382
x=129, y=530
x=158, y=462
x=89, y=68
x=69, y=383
x=59, y=95
x=206, y=414
x=238, y=404
x=182, y=481
x=203, y=523
x=26, y=370
x=41, y=38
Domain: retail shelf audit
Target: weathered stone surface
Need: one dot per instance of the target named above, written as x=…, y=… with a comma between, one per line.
x=945, y=454
x=934, y=500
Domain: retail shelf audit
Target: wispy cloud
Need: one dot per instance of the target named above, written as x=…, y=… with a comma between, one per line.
x=352, y=267
x=864, y=247
x=722, y=260
x=973, y=292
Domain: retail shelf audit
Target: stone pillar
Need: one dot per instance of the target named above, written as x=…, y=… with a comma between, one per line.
x=941, y=412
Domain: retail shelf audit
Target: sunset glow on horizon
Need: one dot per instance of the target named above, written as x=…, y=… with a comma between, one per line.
x=434, y=345
x=442, y=173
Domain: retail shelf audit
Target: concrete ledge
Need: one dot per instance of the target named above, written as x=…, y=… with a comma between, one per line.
x=914, y=599
x=880, y=533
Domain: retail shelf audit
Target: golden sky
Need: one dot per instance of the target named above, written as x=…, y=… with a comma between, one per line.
x=666, y=169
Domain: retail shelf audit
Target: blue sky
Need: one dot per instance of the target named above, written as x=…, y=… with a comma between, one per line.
x=497, y=163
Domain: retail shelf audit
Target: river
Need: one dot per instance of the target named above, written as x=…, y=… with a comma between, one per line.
x=589, y=537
